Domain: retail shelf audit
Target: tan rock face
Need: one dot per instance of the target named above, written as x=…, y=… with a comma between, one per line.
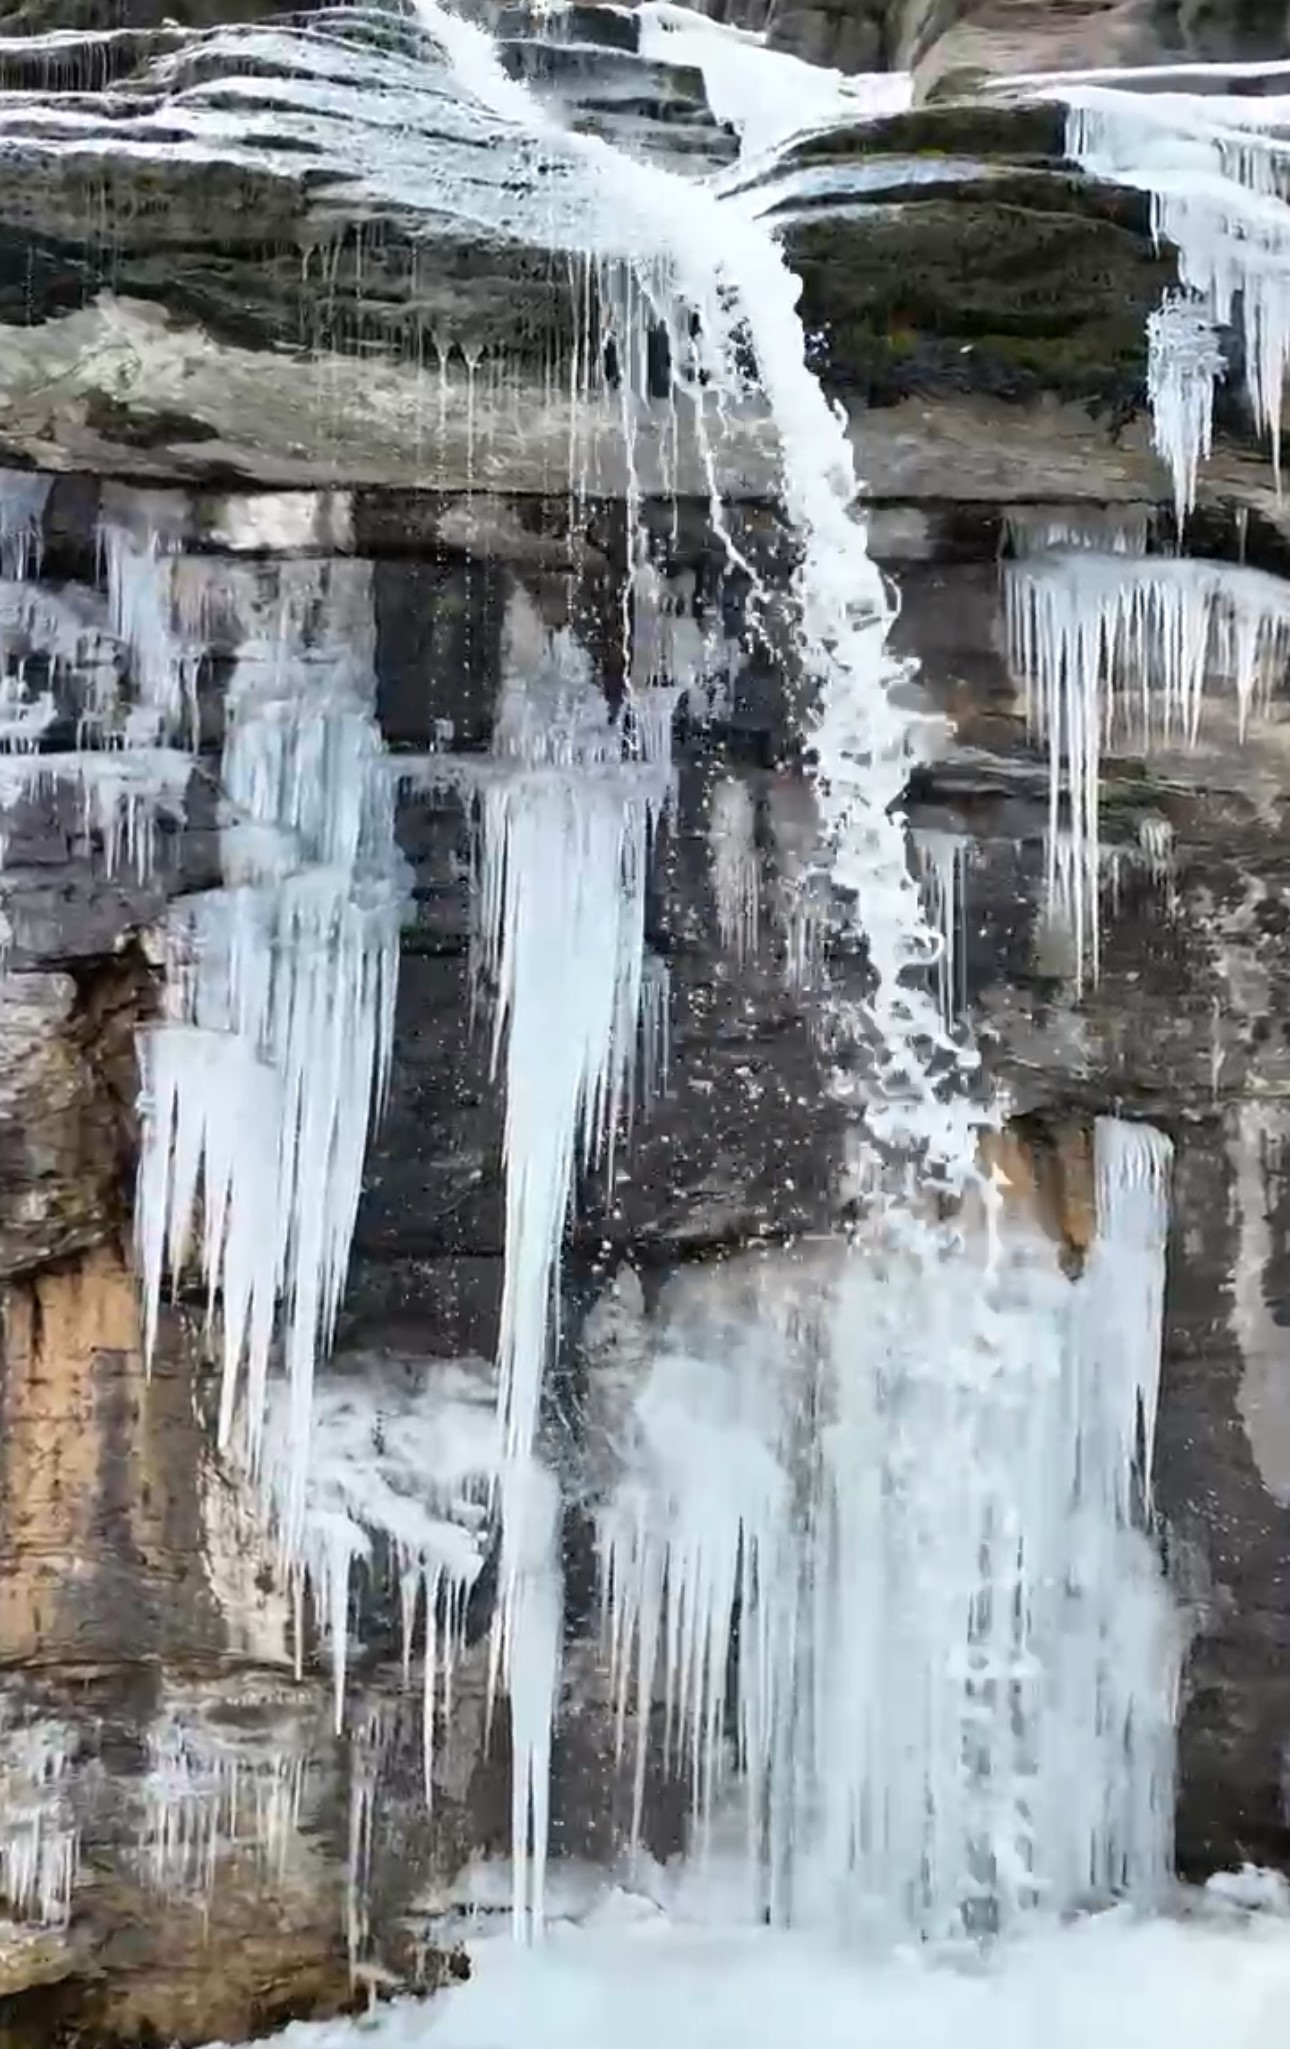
x=1047, y=1175
x=58, y=1135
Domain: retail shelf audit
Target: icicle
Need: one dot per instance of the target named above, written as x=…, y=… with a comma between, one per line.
x=24, y=495
x=1218, y=181
x=1113, y=649
x=142, y=605
x=208, y=1795
x=942, y=859
x=566, y=830
x=526, y=1654
x=39, y=1833
x=123, y=794
x=1105, y=529
x=397, y=1465
x=1184, y=362
x=736, y=876
x=282, y=985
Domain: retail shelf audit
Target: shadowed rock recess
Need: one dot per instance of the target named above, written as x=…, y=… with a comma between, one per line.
x=291, y=386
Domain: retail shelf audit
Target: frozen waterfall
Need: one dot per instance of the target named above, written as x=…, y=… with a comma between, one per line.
x=873, y=1519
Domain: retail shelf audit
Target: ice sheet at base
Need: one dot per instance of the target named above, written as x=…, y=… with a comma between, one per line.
x=639, y=1979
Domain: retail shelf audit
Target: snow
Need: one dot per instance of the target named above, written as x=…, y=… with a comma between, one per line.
x=633, y=1976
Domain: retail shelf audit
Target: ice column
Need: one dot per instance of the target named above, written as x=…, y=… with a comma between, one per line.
x=1112, y=649
x=261, y=1087
x=923, y=1566
x=1218, y=175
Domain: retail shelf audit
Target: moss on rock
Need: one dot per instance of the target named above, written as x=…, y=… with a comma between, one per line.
x=977, y=292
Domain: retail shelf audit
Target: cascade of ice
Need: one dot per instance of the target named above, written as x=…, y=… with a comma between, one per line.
x=953, y=1705
x=888, y=1696
x=889, y=1542
x=1113, y=649
x=39, y=1837
x=261, y=1084
x=1217, y=168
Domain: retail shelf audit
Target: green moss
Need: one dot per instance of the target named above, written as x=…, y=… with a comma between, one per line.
x=972, y=292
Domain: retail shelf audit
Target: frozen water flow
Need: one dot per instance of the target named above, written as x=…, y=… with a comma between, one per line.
x=1218, y=175
x=24, y=495
x=261, y=1086
x=928, y=1591
x=765, y=95
x=1113, y=650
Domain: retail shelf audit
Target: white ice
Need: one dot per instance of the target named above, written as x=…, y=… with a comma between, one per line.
x=1218, y=175
x=39, y=1830
x=208, y=1793
x=736, y=865
x=262, y=1084
x=24, y=495
x=1129, y=652
x=765, y=95
x=630, y=1975
x=921, y=1566
x=402, y=1456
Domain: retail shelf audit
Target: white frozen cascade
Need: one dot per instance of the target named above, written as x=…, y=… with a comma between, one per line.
x=39, y=1835
x=948, y=1693
x=932, y=1574
x=1217, y=169
x=261, y=1083
x=1114, y=650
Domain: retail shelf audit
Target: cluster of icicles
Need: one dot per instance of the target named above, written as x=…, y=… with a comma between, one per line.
x=1118, y=649
x=1216, y=167
x=903, y=1496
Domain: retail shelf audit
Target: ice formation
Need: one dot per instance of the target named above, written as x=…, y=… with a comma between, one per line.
x=39, y=1836
x=1127, y=651
x=736, y=871
x=766, y=95
x=928, y=1577
x=941, y=859
x=1184, y=363
x=24, y=495
x=1217, y=168
x=208, y=1794
x=948, y=1641
x=261, y=1085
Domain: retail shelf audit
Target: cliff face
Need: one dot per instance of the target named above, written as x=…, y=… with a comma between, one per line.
x=278, y=388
